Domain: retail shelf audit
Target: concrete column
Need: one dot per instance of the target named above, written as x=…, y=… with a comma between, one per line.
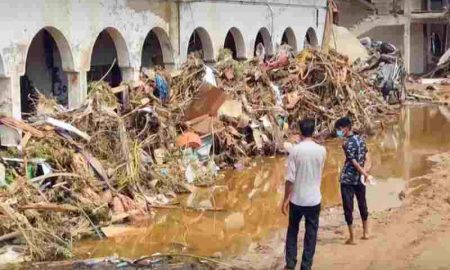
x=7, y=108
x=407, y=7
x=170, y=66
x=130, y=73
x=407, y=35
x=407, y=44
x=15, y=95
x=77, y=88
x=5, y=97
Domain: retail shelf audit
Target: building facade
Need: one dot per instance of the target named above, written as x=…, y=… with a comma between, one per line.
x=58, y=46
x=419, y=28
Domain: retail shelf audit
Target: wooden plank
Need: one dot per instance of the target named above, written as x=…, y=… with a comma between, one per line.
x=13, y=123
x=123, y=87
x=50, y=207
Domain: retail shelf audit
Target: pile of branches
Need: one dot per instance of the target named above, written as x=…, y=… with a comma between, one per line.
x=276, y=94
x=96, y=178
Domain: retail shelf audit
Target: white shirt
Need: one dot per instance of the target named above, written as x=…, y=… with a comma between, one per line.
x=304, y=169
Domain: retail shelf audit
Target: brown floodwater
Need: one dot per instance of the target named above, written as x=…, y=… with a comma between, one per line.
x=252, y=197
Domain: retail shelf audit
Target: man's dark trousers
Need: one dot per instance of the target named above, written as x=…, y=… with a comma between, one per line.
x=348, y=192
x=311, y=214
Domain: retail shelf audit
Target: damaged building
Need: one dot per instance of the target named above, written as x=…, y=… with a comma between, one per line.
x=418, y=28
x=58, y=47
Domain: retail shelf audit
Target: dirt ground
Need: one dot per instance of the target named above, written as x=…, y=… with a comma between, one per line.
x=414, y=236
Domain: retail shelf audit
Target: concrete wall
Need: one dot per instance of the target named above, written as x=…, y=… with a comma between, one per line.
x=5, y=97
x=392, y=34
x=218, y=18
x=352, y=12
x=418, y=43
x=417, y=5
x=76, y=24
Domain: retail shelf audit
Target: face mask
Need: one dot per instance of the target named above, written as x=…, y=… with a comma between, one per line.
x=340, y=133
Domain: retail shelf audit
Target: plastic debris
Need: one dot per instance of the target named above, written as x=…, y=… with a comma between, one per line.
x=209, y=76
x=68, y=127
x=190, y=175
x=189, y=139
x=162, y=86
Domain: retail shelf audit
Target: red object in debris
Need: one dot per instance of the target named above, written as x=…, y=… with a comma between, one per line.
x=281, y=61
x=207, y=102
x=189, y=139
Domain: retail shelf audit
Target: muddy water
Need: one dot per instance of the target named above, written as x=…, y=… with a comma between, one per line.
x=253, y=195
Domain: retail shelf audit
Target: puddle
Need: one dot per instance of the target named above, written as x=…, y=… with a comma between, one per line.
x=253, y=198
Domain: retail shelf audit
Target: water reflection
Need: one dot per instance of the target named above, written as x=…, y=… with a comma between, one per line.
x=252, y=197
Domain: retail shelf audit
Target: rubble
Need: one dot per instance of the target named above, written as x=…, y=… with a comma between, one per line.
x=109, y=162
x=432, y=87
x=385, y=69
x=442, y=69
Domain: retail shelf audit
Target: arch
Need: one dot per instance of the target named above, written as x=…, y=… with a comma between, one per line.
x=289, y=38
x=64, y=48
x=109, y=45
x=201, y=41
x=63, y=45
x=311, y=38
x=234, y=41
x=156, y=49
x=123, y=55
x=47, y=63
x=265, y=38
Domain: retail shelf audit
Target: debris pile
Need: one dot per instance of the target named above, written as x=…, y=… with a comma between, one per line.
x=384, y=68
x=442, y=69
x=433, y=86
x=74, y=171
x=430, y=90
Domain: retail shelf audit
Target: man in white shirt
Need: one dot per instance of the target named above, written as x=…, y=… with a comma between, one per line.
x=302, y=194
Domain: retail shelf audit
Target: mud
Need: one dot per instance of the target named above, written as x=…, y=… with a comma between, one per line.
x=251, y=204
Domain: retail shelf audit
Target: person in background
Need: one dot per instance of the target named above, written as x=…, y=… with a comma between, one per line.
x=302, y=194
x=436, y=45
x=353, y=176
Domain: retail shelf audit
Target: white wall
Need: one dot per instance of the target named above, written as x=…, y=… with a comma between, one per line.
x=218, y=18
x=75, y=25
x=78, y=23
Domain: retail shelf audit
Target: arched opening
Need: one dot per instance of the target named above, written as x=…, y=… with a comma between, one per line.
x=157, y=50
x=201, y=42
x=265, y=39
x=289, y=38
x=235, y=43
x=311, y=39
x=47, y=62
x=108, y=55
